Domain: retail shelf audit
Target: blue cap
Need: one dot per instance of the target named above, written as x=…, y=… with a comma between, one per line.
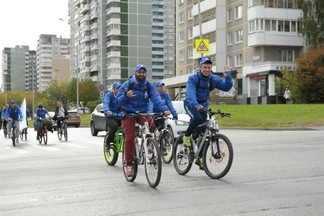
x=40, y=106
x=159, y=83
x=12, y=102
x=139, y=66
x=116, y=84
x=205, y=61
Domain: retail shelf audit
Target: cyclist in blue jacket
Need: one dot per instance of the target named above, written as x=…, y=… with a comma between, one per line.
x=160, y=87
x=134, y=96
x=199, y=85
x=13, y=112
x=112, y=111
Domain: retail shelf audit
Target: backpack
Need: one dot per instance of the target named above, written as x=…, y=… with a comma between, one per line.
x=198, y=84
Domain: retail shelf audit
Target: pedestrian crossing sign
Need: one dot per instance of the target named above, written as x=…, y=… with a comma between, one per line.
x=202, y=46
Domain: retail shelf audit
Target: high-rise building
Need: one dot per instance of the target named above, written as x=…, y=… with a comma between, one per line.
x=109, y=38
x=49, y=46
x=18, y=62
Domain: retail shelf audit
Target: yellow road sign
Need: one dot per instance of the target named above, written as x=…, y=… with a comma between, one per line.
x=202, y=46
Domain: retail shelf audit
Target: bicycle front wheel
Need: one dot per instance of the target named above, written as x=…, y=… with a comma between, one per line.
x=153, y=163
x=182, y=156
x=13, y=137
x=134, y=165
x=110, y=154
x=45, y=137
x=166, y=145
x=218, y=156
x=59, y=133
x=65, y=133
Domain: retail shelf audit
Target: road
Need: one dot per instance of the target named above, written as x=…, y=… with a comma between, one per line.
x=275, y=172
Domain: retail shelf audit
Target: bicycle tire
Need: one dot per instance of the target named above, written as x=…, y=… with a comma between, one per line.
x=166, y=145
x=59, y=133
x=22, y=135
x=45, y=136
x=65, y=133
x=153, y=163
x=182, y=158
x=135, y=166
x=110, y=154
x=25, y=133
x=13, y=137
x=217, y=165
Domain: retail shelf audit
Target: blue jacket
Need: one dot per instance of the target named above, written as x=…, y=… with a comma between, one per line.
x=166, y=101
x=13, y=112
x=199, y=95
x=110, y=104
x=139, y=103
x=4, y=112
x=41, y=113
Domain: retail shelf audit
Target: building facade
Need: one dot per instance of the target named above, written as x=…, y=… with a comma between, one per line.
x=258, y=38
x=109, y=38
x=49, y=46
x=18, y=62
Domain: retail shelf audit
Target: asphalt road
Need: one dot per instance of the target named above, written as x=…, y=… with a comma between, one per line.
x=275, y=172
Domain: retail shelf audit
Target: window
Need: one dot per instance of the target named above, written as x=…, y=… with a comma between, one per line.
x=181, y=55
x=238, y=60
x=190, y=33
x=229, y=39
x=238, y=12
x=181, y=37
x=181, y=17
x=285, y=55
x=239, y=36
x=190, y=53
x=229, y=15
x=190, y=14
x=181, y=1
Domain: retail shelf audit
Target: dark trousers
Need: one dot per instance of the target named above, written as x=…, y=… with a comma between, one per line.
x=197, y=118
x=112, y=125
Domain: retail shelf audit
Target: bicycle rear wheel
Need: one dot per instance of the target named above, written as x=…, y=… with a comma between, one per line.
x=182, y=156
x=110, y=154
x=134, y=166
x=217, y=163
x=166, y=145
x=153, y=163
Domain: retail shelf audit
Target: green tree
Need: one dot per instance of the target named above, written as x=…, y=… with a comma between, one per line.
x=57, y=90
x=312, y=22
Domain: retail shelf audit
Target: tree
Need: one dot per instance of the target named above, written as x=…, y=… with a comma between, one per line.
x=57, y=90
x=312, y=22
x=310, y=75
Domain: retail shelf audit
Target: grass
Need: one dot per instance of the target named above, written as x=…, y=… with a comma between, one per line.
x=263, y=116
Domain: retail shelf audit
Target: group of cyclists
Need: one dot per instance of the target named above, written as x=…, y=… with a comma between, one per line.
x=138, y=95
x=13, y=113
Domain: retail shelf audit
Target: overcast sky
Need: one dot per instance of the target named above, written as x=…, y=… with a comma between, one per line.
x=22, y=21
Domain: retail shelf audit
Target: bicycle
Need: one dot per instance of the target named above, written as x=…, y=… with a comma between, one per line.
x=43, y=132
x=164, y=137
x=111, y=153
x=13, y=131
x=146, y=152
x=216, y=149
x=62, y=128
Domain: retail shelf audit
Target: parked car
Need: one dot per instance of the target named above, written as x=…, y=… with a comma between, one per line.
x=84, y=110
x=74, y=119
x=97, y=122
x=183, y=118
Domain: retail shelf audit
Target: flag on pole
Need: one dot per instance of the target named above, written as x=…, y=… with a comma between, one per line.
x=23, y=123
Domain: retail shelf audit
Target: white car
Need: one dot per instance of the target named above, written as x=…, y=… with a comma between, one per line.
x=183, y=118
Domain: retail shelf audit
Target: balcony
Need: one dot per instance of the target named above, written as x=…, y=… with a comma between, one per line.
x=94, y=26
x=93, y=16
x=113, y=21
x=113, y=10
x=84, y=18
x=94, y=47
x=113, y=43
x=261, y=12
x=113, y=32
x=275, y=39
x=109, y=1
x=113, y=54
x=84, y=9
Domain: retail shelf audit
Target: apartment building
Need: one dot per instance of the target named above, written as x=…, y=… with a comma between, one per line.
x=109, y=38
x=18, y=68
x=49, y=46
x=258, y=38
